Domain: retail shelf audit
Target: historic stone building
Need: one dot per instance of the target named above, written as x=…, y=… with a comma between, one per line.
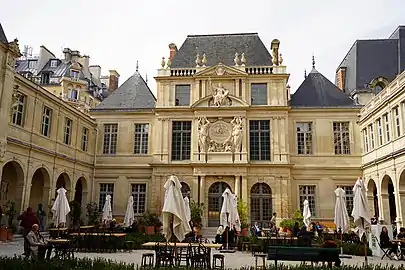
x=224, y=117
x=45, y=143
x=382, y=124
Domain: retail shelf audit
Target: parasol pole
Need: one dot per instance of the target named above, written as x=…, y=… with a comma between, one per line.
x=341, y=241
x=364, y=243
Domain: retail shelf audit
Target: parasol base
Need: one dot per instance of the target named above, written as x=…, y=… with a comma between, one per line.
x=345, y=257
x=227, y=251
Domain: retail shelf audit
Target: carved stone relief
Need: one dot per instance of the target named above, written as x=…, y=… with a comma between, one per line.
x=3, y=145
x=220, y=95
x=220, y=136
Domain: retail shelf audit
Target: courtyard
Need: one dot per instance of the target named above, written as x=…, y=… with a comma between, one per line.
x=232, y=260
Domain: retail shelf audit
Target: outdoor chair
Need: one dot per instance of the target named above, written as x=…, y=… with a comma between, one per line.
x=383, y=249
x=164, y=255
x=200, y=257
x=218, y=261
x=183, y=255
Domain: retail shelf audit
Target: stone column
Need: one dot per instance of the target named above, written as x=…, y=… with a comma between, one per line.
x=401, y=200
x=283, y=136
x=202, y=200
x=166, y=134
x=195, y=188
x=245, y=194
x=236, y=190
x=370, y=202
x=274, y=131
x=385, y=209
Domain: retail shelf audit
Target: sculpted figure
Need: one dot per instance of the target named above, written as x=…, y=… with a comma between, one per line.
x=220, y=95
x=203, y=124
x=237, y=133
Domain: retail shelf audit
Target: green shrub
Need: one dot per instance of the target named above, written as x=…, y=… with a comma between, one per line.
x=139, y=239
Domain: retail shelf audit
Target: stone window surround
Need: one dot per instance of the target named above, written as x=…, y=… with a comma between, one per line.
x=48, y=117
x=67, y=131
x=182, y=87
x=100, y=193
x=311, y=125
x=110, y=152
x=259, y=131
x=260, y=103
x=144, y=136
x=19, y=109
x=146, y=205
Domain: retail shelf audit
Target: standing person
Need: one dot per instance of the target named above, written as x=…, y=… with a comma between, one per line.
x=274, y=218
x=28, y=219
x=41, y=217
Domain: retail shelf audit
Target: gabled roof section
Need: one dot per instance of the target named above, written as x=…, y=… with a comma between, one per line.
x=222, y=48
x=3, y=37
x=134, y=94
x=316, y=91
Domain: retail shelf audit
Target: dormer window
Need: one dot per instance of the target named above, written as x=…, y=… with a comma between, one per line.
x=75, y=75
x=32, y=63
x=45, y=78
x=378, y=88
x=54, y=63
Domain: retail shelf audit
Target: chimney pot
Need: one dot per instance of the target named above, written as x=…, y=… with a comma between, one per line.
x=173, y=50
x=113, y=80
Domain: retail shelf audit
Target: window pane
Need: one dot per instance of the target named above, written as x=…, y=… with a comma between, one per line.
x=308, y=193
x=259, y=93
x=139, y=194
x=110, y=138
x=259, y=139
x=182, y=95
x=141, y=138
x=181, y=140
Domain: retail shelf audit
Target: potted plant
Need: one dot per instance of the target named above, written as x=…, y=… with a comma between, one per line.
x=196, y=213
x=288, y=224
x=93, y=214
x=10, y=212
x=243, y=217
x=151, y=221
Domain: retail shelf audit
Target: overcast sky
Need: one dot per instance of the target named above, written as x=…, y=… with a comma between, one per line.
x=118, y=33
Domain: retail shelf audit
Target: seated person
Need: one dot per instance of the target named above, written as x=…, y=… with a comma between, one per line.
x=386, y=243
x=37, y=243
x=319, y=228
x=113, y=224
x=295, y=230
x=329, y=243
x=304, y=237
x=401, y=234
x=218, y=236
x=273, y=230
x=257, y=230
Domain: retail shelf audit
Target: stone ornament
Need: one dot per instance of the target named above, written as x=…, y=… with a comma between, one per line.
x=220, y=136
x=243, y=59
x=197, y=60
x=163, y=63
x=203, y=125
x=236, y=60
x=3, y=145
x=220, y=95
x=280, y=60
x=204, y=60
x=15, y=53
x=168, y=63
x=220, y=71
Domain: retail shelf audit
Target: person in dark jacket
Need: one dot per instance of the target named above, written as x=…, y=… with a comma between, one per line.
x=295, y=230
x=386, y=243
x=28, y=219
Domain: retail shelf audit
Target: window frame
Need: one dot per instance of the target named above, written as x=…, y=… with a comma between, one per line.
x=105, y=193
x=397, y=119
x=264, y=152
x=365, y=140
x=258, y=94
x=178, y=88
x=339, y=135
x=371, y=132
x=46, y=126
x=185, y=134
x=350, y=202
x=141, y=139
x=307, y=196
x=137, y=199
x=19, y=110
x=387, y=129
x=307, y=138
x=67, y=131
x=85, y=135
x=112, y=135
x=380, y=132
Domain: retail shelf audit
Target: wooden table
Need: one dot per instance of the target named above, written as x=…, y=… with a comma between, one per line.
x=207, y=245
x=100, y=234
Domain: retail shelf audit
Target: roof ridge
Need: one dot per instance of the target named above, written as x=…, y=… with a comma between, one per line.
x=229, y=34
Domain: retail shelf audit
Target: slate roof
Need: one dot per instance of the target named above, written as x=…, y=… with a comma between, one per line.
x=317, y=91
x=222, y=48
x=133, y=94
x=3, y=37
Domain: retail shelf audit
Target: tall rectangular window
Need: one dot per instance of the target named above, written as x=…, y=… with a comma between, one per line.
x=181, y=140
x=380, y=132
x=85, y=138
x=365, y=140
x=182, y=95
x=308, y=193
x=138, y=192
x=349, y=196
x=397, y=122
x=18, y=111
x=258, y=93
x=304, y=138
x=46, y=121
x=110, y=139
x=387, y=127
x=259, y=139
x=68, y=131
x=371, y=132
x=105, y=189
x=141, y=138
x=341, y=138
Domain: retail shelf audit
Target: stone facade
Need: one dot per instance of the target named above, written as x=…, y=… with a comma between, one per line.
x=382, y=124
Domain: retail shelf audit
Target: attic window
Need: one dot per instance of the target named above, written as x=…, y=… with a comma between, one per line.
x=379, y=87
x=54, y=63
x=32, y=63
x=75, y=75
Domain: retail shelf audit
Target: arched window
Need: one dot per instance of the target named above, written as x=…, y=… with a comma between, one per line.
x=185, y=190
x=261, y=205
x=378, y=88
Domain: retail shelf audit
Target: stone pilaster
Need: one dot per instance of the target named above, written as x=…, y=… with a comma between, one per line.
x=195, y=188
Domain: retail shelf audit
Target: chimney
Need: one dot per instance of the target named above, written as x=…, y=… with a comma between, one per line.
x=96, y=71
x=85, y=61
x=75, y=56
x=173, y=50
x=68, y=54
x=113, y=81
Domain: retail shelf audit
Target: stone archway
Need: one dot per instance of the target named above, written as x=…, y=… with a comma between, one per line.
x=63, y=181
x=12, y=183
x=372, y=198
x=40, y=185
x=185, y=190
x=81, y=191
x=401, y=196
x=261, y=206
x=215, y=201
x=388, y=199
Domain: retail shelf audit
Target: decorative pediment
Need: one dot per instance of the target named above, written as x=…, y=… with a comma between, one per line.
x=221, y=70
x=231, y=101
